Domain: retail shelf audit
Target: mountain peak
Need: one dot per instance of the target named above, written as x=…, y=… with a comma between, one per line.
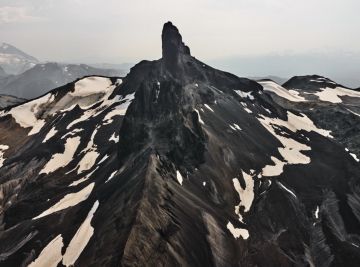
x=172, y=45
x=6, y=48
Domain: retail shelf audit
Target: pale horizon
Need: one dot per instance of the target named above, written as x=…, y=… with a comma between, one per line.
x=224, y=34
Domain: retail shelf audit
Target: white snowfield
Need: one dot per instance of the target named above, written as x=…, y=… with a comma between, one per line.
x=235, y=127
x=68, y=200
x=51, y=255
x=28, y=115
x=106, y=102
x=290, y=95
x=273, y=170
x=179, y=177
x=327, y=94
x=198, y=113
x=208, y=107
x=355, y=157
x=246, y=198
x=286, y=189
x=114, y=138
x=80, y=239
x=83, y=179
x=91, y=85
x=90, y=154
x=291, y=150
x=237, y=232
x=87, y=92
x=111, y=176
x=62, y=159
x=50, y=134
x=245, y=94
x=119, y=110
x=246, y=195
x=333, y=94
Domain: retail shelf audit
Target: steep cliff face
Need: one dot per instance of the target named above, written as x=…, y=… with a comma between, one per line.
x=177, y=164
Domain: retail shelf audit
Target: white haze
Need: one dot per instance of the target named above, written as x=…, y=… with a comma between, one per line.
x=248, y=37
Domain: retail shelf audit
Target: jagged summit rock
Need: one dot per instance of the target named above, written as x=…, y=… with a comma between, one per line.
x=172, y=41
x=173, y=48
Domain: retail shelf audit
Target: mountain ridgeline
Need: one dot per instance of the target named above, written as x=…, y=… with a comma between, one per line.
x=41, y=78
x=180, y=164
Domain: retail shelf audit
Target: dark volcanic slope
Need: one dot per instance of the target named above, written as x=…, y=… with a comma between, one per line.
x=178, y=164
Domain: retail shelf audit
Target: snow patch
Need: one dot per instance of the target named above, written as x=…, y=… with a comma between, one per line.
x=80, y=239
x=317, y=212
x=119, y=110
x=273, y=170
x=111, y=176
x=50, y=134
x=291, y=150
x=200, y=120
x=179, y=177
x=103, y=159
x=114, y=138
x=79, y=181
x=248, y=110
x=208, y=107
x=235, y=127
x=26, y=115
x=91, y=85
x=355, y=157
x=91, y=155
x=246, y=195
x=68, y=200
x=87, y=161
x=333, y=94
x=290, y=95
x=237, y=232
x=286, y=189
x=51, y=255
x=62, y=159
x=245, y=94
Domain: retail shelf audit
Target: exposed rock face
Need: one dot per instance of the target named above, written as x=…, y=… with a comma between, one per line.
x=173, y=48
x=177, y=164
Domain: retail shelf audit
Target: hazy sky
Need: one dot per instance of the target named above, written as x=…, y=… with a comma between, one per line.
x=118, y=31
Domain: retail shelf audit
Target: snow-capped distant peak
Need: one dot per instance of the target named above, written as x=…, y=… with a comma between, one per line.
x=6, y=48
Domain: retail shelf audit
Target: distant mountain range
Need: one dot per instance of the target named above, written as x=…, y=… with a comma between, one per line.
x=15, y=61
x=23, y=76
x=2, y=73
x=42, y=77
